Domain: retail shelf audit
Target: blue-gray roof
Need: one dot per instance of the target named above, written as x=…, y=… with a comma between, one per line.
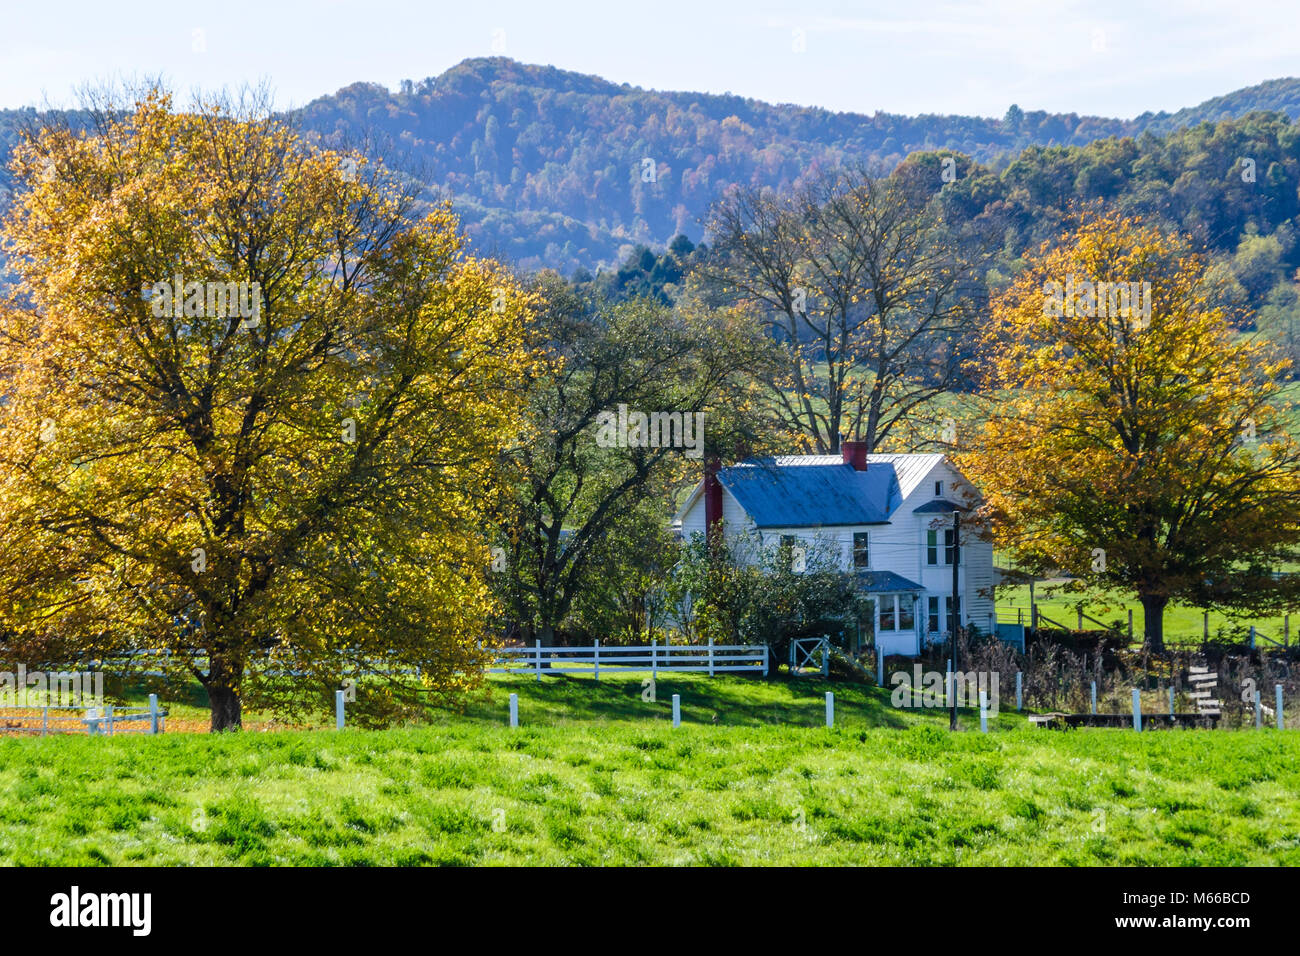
x=813, y=496
x=877, y=582
x=938, y=505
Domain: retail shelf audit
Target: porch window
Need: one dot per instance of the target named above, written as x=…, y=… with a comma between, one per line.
x=906, y=612
x=933, y=608
x=887, y=620
x=861, y=552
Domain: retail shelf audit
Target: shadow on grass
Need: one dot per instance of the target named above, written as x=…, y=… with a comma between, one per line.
x=725, y=701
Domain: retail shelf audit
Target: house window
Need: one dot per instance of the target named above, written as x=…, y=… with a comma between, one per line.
x=787, y=541
x=938, y=489
x=951, y=554
x=932, y=547
x=887, y=621
x=948, y=606
x=933, y=608
x=861, y=554
x=906, y=612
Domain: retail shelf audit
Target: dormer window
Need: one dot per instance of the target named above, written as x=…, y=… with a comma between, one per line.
x=938, y=489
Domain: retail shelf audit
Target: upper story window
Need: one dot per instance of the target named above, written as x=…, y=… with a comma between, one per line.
x=932, y=547
x=938, y=489
x=861, y=550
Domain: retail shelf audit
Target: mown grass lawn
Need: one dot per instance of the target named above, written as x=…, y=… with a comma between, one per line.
x=597, y=775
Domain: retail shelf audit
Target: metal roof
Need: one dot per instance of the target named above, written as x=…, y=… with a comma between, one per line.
x=792, y=492
x=878, y=582
x=942, y=505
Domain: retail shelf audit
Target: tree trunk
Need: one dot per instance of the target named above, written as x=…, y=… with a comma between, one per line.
x=1153, y=609
x=224, y=677
x=227, y=709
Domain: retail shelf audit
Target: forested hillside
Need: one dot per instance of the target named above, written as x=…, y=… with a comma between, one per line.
x=551, y=167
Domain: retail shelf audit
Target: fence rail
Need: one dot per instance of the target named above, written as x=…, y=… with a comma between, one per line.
x=704, y=658
x=94, y=721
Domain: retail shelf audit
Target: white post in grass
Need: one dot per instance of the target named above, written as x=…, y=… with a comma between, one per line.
x=108, y=717
x=538, y=646
x=45, y=719
x=880, y=667
x=514, y=710
x=1137, y=709
x=948, y=685
x=1259, y=711
x=596, y=660
x=677, y=710
x=1171, y=700
x=710, y=657
x=1277, y=689
x=338, y=710
x=830, y=709
x=153, y=713
x=1019, y=676
x=1094, y=697
x=984, y=711
x=654, y=657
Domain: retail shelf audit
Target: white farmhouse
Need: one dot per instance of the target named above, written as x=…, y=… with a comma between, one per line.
x=889, y=517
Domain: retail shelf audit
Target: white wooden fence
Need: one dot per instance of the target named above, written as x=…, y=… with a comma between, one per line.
x=704, y=658
x=94, y=721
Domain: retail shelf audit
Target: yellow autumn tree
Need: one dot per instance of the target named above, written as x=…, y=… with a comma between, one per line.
x=252, y=413
x=1131, y=435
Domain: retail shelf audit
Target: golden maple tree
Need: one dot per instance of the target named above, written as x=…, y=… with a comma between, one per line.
x=1131, y=435
x=269, y=497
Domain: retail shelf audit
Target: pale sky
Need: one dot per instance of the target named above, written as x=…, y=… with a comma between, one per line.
x=1103, y=58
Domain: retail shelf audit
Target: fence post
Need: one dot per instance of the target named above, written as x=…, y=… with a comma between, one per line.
x=984, y=711
x=948, y=696
x=1277, y=688
x=108, y=714
x=826, y=655
x=765, y=660
x=1080, y=627
x=596, y=661
x=710, y=657
x=1259, y=711
x=1252, y=637
x=153, y=713
x=538, y=646
x=1094, y=698
x=1205, y=625
x=880, y=667
x=677, y=710
x=654, y=657
x=514, y=710
x=1019, y=676
x=1130, y=625
x=1137, y=709
x=45, y=718
x=338, y=710
x=1171, y=700
x=830, y=709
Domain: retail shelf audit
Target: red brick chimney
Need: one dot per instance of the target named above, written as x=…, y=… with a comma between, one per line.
x=854, y=453
x=712, y=497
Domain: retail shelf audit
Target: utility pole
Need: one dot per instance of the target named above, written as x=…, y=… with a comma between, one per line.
x=952, y=633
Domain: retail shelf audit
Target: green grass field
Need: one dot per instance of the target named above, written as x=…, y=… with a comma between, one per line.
x=1183, y=624
x=597, y=775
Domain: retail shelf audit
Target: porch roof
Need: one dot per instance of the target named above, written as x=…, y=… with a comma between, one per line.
x=878, y=582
